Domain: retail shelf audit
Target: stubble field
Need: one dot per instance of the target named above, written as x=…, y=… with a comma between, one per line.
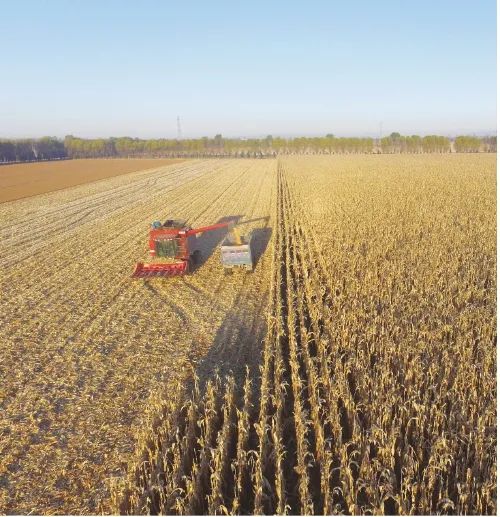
x=84, y=346
x=368, y=329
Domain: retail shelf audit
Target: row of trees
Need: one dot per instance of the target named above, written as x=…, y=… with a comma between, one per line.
x=472, y=144
x=395, y=143
x=269, y=146
x=50, y=148
x=28, y=150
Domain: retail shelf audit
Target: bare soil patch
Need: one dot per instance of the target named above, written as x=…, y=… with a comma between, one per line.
x=30, y=179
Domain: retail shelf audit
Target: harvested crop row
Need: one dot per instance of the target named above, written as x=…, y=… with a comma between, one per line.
x=66, y=212
x=196, y=456
x=98, y=348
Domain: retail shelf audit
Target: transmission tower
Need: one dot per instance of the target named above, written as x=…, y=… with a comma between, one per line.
x=179, y=132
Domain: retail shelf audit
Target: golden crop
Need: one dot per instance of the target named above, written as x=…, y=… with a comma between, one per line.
x=367, y=387
x=377, y=386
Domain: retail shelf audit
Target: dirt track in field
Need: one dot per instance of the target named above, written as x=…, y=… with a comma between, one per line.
x=22, y=180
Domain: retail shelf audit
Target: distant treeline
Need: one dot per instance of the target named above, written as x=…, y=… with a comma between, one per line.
x=28, y=150
x=50, y=148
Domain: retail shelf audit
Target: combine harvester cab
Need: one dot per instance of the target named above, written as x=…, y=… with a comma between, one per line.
x=236, y=252
x=169, y=250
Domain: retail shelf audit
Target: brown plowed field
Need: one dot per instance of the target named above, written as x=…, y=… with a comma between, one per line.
x=30, y=179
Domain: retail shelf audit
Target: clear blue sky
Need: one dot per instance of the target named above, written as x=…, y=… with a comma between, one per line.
x=112, y=68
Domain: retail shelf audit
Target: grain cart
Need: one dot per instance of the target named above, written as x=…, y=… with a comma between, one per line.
x=236, y=251
x=173, y=249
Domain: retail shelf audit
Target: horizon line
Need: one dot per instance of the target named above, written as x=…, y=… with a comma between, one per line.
x=260, y=136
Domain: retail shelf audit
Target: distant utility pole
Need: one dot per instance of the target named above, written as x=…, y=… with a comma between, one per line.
x=179, y=132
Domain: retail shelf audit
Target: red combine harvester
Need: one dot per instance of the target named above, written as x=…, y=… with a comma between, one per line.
x=172, y=249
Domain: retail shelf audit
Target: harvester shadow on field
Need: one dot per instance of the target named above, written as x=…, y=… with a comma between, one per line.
x=237, y=345
x=261, y=236
x=238, y=341
x=208, y=241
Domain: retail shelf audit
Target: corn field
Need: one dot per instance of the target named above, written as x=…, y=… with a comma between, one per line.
x=377, y=390
x=354, y=372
